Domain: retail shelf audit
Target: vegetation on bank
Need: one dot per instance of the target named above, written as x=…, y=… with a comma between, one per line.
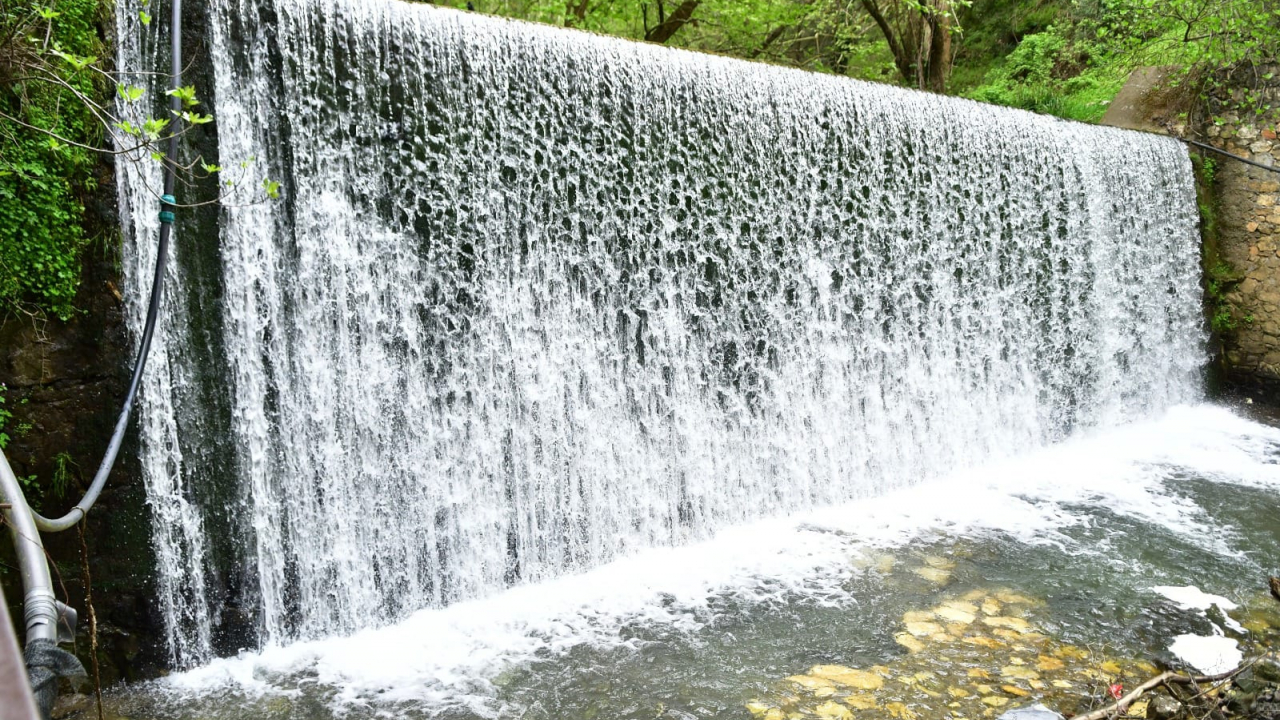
x=47, y=164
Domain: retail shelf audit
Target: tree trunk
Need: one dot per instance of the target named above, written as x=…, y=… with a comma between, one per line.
x=673, y=22
x=902, y=52
x=575, y=13
x=939, y=49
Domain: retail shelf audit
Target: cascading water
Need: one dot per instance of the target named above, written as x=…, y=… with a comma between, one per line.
x=534, y=299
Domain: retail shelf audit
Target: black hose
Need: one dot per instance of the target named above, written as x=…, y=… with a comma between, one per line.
x=153, y=308
x=1220, y=151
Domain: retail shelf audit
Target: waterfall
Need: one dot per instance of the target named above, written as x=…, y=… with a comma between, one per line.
x=534, y=299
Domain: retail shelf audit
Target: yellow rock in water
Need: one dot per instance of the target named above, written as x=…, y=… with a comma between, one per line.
x=958, y=692
x=974, y=595
x=900, y=711
x=1004, y=621
x=1036, y=684
x=908, y=642
x=755, y=707
x=1111, y=667
x=860, y=679
x=954, y=614
x=885, y=564
x=1015, y=660
x=917, y=616
x=996, y=700
x=833, y=711
x=979, y=673
x=956, y=629
x=941, y=637
x=1046, y=663
x=1138, y=709
x=985, y=689
x=774, y=714
x=1015, y=690
x=861, y=702
x=1019, y=672
x=933, y=574
x=1146, y=668
x=984, y=641
x=991, y=606
x=1071, y=652
x=924, y=629
x=809, y=682
x=1061, y=684
x=824, y=692
x=941, y=563
x=1013, y=598
x=961, y=605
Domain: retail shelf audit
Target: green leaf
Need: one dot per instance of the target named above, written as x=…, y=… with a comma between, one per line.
x=272, y=187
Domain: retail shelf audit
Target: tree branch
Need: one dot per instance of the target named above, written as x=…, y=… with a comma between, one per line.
x=899, y=58
x=673, y=22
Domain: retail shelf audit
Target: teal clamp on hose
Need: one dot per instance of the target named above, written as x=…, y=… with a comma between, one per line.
x=166, y=216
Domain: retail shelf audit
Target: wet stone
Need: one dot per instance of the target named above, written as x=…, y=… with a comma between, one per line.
x=973, y=670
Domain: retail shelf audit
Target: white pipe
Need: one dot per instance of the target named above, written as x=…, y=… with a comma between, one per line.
x=38, y=604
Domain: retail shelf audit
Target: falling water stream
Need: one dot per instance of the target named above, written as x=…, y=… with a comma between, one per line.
x=535, y=301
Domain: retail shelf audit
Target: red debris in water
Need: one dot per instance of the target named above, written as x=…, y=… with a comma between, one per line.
x=1117, y=691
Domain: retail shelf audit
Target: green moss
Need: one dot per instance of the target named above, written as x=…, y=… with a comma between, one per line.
x=42, y=180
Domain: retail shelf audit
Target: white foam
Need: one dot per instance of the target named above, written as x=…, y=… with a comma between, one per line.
x=1213, y=654
x=1193, y=598
x=451, y=655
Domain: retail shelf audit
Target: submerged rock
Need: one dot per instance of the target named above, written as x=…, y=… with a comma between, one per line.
x=1163, y=707
x=973, y=670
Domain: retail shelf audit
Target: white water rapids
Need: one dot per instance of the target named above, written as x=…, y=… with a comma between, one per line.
x=535, y=300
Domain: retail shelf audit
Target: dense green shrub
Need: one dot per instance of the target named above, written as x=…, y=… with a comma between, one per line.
x=44, y=170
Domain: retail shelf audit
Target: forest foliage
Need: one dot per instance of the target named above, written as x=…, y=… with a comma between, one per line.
x=1062, y=57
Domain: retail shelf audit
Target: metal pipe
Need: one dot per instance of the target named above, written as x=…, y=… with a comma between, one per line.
x=38, y=604
x=153, y=309
x=15, y=691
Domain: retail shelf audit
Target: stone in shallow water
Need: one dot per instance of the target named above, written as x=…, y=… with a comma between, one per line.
x=915, y=616
x=1019, y=672
x=1013, y=598
x=860, y=679
x=908, y=642
x=984, y=641
x=808, y=682
x=1111, y=667
x=924, y=628
x=900, y=711
x=933, y=574
x=1010, y=623
x=757, y=708
x=1047, y=663
x=861, y=702
x=991, y=606
x=955, y=614
x=833, y=711
x=996, y=700
x=1015, y=690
